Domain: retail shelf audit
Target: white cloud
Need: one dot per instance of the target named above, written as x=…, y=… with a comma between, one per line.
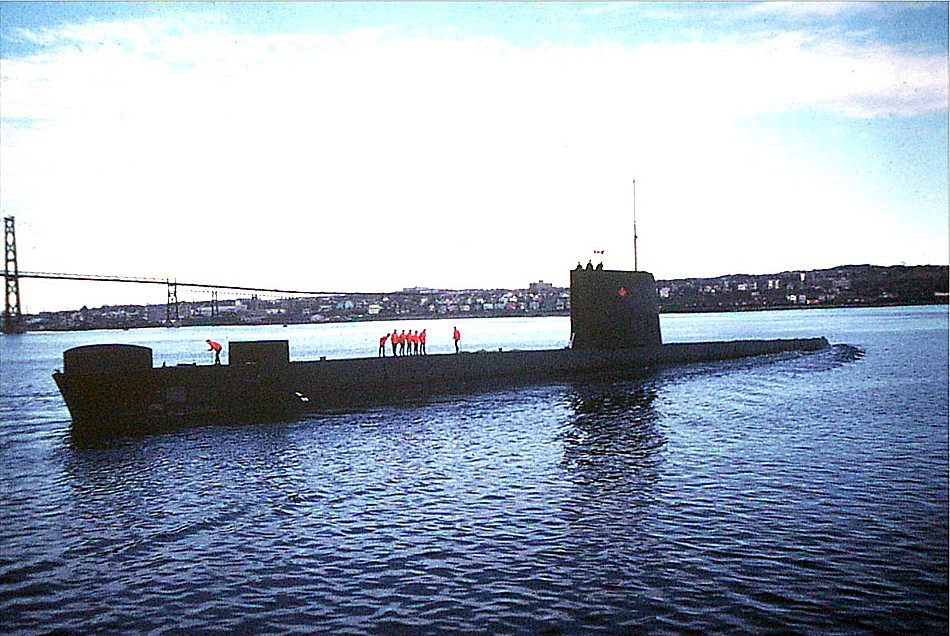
x=373, y=161
x=805, y=8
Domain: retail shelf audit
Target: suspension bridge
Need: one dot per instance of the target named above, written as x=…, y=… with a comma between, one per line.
x=12, y=321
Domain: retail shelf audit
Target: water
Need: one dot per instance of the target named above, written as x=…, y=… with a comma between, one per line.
x=799, y=493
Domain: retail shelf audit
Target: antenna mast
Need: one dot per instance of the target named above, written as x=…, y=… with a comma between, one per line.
x=635, y=268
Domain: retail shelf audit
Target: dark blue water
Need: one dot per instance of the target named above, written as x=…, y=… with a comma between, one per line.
x=803, y=493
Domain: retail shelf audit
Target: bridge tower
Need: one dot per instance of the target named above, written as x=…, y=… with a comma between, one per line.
x=171, y=306
x=12, y=317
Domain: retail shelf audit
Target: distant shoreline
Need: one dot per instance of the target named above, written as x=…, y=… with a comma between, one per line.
x=944, y=301
x=843, y=287
x=507, y=314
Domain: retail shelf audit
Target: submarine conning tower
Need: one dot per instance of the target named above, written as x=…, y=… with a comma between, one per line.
x=613, y=309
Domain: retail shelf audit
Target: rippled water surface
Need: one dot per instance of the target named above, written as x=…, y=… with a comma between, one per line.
x=796, y=493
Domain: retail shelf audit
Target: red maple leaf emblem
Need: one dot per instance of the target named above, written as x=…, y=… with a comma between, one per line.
x=622, y=292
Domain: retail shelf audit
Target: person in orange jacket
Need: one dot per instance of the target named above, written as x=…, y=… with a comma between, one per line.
x=422, y=342
x=382, y=345
x=216, y=347
x=456, y=336
x=402, y=342
x=394, y=340
x=415, y=343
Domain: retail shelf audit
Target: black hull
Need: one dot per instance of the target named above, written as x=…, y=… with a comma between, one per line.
x=144, y=400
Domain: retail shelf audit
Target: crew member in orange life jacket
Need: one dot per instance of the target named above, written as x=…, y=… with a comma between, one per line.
x=402, y=343
x=394, y=340
x=216, y=347
x=422, y=342
x=382, y=345
x=456, y=336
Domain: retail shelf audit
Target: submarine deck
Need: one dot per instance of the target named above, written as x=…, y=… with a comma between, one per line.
x=114, y=399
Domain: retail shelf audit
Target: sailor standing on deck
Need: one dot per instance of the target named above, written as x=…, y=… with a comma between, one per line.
x=422, y=342
x=456, y=336
x=394, y=340
x=216, y=347
x=382, y=345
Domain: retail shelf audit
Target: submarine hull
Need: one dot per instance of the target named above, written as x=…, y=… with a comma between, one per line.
x=615, y=331
x=114, y=390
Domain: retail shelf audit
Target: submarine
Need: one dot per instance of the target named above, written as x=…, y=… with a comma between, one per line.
x=114, y=389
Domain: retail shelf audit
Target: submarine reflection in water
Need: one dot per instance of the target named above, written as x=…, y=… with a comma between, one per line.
x=614, y=443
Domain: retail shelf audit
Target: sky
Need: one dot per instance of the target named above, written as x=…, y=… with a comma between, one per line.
x=378, y=146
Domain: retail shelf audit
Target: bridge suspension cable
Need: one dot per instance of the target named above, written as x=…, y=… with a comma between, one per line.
x=165, y=281
x=12, y=321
